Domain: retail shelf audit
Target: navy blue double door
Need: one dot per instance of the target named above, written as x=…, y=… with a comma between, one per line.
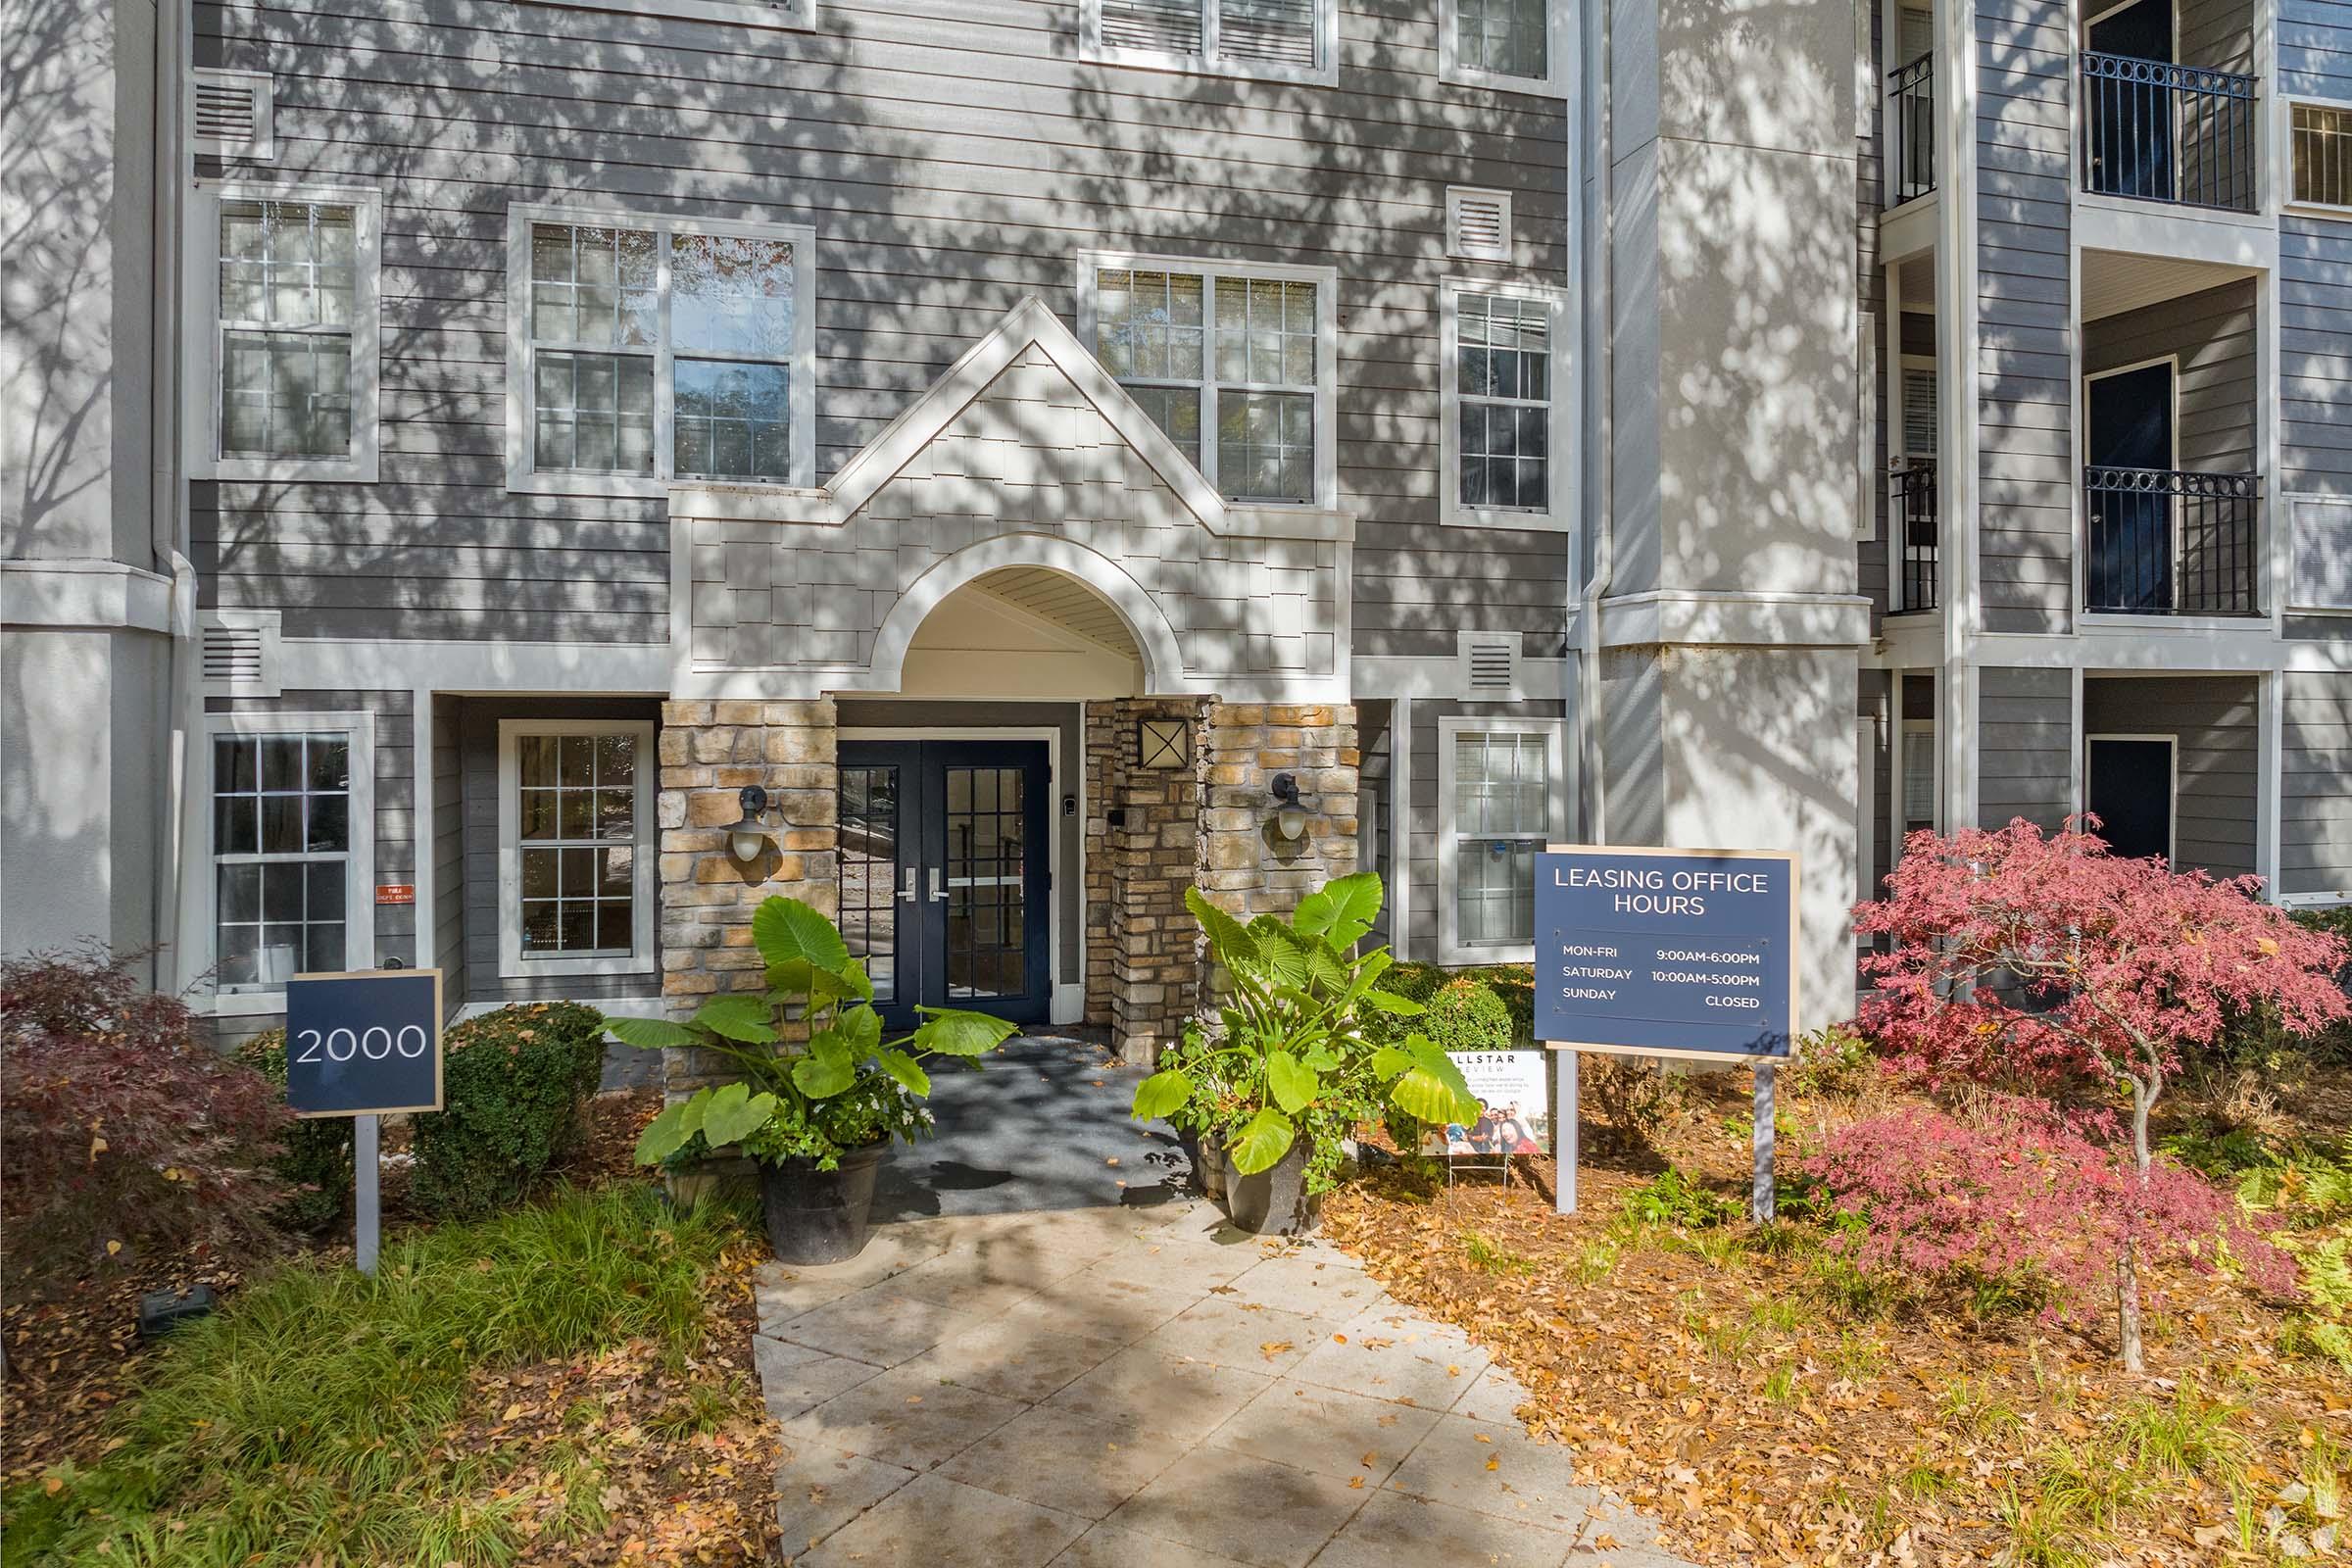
x=944, y=874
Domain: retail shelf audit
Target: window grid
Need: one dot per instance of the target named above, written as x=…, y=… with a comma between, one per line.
x=1502, y=37
x=869, y=873
x=288, y=281
x=2322, y=155
x=1278, y=38
x=1234, y=353
x=1502, y=819
x=281, y=850
x=577, y=852
x=987, y=915
x=627, y=324
x=1503, y=372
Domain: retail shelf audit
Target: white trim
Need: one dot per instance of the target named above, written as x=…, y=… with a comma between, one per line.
x=200, y=936
x=522, y=477
x=1559, y=71
x=2290, y=202
x=1439, y=675
x=1450, y=948
x=1726, y=617
x=645, y=889
x=1462, y=249
x=782, y=16
x=2290, y=509
x=201, y=358
x=2172, y=743
x=2270, y=780
x=1068, y=997
x=268, y=627
x=83, y=591
x=1401, y=827
x=1866, y=811
x=2087, y=618
x=1211, y=62
x=1559, y=515
x=261, y=146
x=1212, y=270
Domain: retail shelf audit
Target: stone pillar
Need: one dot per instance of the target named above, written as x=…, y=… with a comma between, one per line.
x=1245, y=866
x=710, y=751
x=1143, y=828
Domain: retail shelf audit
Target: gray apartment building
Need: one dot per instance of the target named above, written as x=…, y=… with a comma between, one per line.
x=506, y=485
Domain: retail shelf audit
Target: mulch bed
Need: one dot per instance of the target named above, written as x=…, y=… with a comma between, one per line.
x=1717, y=1388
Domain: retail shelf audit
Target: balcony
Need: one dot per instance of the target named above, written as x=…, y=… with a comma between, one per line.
x=1911, y=131
x=1911, y=514
x=2153, y=132
x=2166, y=542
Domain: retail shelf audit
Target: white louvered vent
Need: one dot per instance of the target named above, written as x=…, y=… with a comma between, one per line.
x=234, y=115
x=2322, y=578
x=1158, y=27
x=239, y=653
x=1918, y=410
x=1478, y=223
x=1272, y=32
x=1490, y=663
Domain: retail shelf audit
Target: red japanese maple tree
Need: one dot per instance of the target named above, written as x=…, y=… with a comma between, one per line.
x=2044, y=962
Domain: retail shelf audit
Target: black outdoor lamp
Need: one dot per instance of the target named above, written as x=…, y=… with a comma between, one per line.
x=747, y=837
x=1289, y=818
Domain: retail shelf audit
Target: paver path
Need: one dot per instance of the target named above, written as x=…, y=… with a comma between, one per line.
x=1133, y=1386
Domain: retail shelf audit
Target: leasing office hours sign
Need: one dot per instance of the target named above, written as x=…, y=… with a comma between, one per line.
x=1682, y=952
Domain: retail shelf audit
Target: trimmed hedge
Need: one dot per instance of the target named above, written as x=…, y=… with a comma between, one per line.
x=316, y=1160
x=1513, y=985
x=1466, y=1016
x=515, y=1084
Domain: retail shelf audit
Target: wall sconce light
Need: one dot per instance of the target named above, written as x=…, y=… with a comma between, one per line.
x=1289, y=818
x=747, y=837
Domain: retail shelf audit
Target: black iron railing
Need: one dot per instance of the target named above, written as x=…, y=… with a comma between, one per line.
x=1911, y=501
x=2168, y=133
x=2170, y=543
x=1911, y=128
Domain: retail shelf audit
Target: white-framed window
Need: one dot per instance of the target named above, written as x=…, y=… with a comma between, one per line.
x=283, y=331
x=793, y=14
x=577, y=888
x=1237, y=364
x=1521, y=45
x=1501, y=797
x=1280, y=40
x=1922, y=783
x=1500, y=376
x=289, y=843
x=2319, y=137
x=642, y=350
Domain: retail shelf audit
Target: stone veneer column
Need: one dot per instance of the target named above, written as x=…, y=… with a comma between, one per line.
x=1246, y=868
x=1143, y=968
x=710, y=751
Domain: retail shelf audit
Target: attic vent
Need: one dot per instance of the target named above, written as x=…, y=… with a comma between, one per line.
x=239, y=654
x=1478, y=223
x=1490, y=663
x=234, y=115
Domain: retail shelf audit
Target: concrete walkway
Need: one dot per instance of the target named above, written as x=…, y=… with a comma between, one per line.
x=1124, y=1385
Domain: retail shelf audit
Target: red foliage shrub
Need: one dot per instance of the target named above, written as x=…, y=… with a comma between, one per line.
x=2019, y=1193
x=121, y=1120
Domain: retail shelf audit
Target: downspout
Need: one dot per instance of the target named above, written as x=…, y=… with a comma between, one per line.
x=184, y=693
x=1599, y=445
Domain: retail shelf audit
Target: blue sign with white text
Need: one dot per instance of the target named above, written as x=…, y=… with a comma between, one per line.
x=363, y=1044
x=1666, y=952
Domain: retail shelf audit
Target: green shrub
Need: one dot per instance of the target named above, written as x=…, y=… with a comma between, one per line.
x=514, y=1087
x=1834, y=1060
x=316, y=1162
x=1674, y=1198
x=1466, y=1016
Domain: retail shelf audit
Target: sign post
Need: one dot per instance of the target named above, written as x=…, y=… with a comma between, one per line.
x=361, y=1044
x=1667, y=953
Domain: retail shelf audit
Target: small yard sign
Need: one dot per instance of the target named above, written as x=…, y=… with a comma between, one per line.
x=364, y=1043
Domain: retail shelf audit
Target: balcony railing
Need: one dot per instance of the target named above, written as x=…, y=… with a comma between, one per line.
x=1911, y=503
x=1911, y=129
x=2169, y=543
x=2168, y=133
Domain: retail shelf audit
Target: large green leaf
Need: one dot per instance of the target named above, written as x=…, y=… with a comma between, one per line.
x=1228, y=939
x=826, y=1070
x=1161, y=1093
x=1291, y=1082
x=650, y=1033
x=1326, y=969
x=1433, y=1089
x=786, y=929
x=905, y=1069
x=663, y=1135
x=738, y=1018
x=1390, y=1002
x=953, y=1032
x=1283, y=951
x=1341, y=910
x=859, y=1031
x=1388, y=1061
x=734, y=1114
x=1263, y=1143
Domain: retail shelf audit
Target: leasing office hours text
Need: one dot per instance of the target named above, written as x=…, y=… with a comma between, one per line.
x=1644, y=891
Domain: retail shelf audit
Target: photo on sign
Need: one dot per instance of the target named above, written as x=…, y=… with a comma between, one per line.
x=1511, y=1092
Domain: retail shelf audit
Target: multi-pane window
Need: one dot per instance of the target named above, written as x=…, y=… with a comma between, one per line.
x=657, y=351
x=577, y=843
x=289, y=282
x=1500, y=787
x=1236, y=354
x=2322, y=137
x=1501, y=37
x=282, y=856
x=1288, y=38
x=1502, y=379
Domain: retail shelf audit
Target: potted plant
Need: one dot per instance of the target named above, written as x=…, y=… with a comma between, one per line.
x=822, y=1093
x=1274, y=1088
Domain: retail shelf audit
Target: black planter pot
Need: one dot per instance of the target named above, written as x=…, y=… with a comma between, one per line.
x=820, y=1216
x=1275, y=1201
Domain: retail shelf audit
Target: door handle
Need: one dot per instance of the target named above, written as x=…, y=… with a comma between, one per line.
x=907, y=892
x=937, y=892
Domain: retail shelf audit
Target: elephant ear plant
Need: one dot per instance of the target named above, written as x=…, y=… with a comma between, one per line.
x=840, y=1089
x=1290, y=1059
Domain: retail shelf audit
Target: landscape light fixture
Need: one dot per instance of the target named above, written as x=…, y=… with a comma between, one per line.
x=1289, y=818
x=748, y=836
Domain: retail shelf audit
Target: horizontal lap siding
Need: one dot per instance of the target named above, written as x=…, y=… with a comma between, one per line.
x=2024, y=746
x=2211, y=335
x=2315, y=806
x=1870, y=285
x=953, y=157
x=2024, y=62
x=2314, y=351
x=2315, y=48
x=2215, y=723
